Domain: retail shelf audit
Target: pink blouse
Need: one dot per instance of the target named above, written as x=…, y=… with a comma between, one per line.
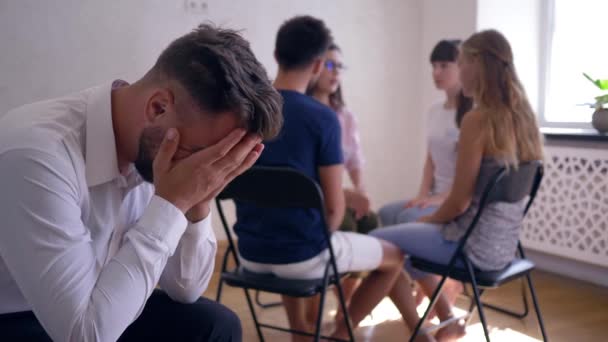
x=351, y=143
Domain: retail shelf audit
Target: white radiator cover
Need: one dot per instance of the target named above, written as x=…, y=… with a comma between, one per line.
x=569, y=217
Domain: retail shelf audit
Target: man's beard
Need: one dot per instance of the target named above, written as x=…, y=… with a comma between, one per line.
x=149, y=143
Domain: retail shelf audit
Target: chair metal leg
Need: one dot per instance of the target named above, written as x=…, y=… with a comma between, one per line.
x=224, y=265
x=536, y=307
x=320, y=313
x=265, y=305
x=432, y=302
x=255, y=317
x=218, y=296
x=342, y=302
x=478, y=302
x=509, y=312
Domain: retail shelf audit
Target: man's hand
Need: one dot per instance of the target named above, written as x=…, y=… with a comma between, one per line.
x=191, y=183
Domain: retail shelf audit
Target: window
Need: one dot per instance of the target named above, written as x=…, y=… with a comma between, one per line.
x=576, y=43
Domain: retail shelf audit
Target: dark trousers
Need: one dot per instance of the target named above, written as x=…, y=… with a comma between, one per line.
x=162, y=320
x=363, y=225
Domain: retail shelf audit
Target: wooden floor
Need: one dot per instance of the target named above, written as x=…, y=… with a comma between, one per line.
x=572, y=310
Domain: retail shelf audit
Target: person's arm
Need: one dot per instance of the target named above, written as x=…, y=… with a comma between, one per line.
x=470, y=155
x=189, y=270
x=427, y=176
x=356, y=178
x=354, y=165
x=424, y=198
x=331, y=185
x=47, y=249
x=330, y=166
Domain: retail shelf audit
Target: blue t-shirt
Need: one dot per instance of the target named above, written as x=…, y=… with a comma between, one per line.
x=310, y=138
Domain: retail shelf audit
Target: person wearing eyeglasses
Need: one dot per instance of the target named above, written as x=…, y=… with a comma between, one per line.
x=290, y=242
x=358, y=216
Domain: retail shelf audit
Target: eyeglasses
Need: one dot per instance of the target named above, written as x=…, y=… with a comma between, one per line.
x=333, y=65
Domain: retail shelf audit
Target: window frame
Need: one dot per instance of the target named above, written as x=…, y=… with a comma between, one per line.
x=547, y=29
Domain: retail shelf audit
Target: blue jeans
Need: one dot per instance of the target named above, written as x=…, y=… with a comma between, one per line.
x=395, y=213
x=423, y=240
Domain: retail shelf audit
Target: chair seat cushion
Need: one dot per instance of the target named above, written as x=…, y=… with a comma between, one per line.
x=517, y=268
x=271, y=283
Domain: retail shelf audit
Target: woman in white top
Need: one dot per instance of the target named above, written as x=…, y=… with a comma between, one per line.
x=443, y=121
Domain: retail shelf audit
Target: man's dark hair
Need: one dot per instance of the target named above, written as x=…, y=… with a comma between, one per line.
x=300, y=41
x=219, y=71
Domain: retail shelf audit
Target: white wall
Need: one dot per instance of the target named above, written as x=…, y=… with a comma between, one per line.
x=53, y=48
x=442, y=19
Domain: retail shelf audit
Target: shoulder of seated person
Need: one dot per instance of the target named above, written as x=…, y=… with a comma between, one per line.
x=472, y=118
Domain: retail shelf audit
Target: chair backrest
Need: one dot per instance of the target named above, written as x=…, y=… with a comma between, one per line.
x=275, y=187
x=507, y=185
x=512, y=185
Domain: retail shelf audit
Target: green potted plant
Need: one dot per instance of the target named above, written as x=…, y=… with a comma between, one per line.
x=600, y=116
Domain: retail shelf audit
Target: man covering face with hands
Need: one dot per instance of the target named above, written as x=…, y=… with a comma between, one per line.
x=106, y=194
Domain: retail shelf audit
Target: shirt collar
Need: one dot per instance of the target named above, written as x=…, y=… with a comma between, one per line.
x=101, y=161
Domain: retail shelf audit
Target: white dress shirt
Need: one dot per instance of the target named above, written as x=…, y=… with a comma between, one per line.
x=80, y=244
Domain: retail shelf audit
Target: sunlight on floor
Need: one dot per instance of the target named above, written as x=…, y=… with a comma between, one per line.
x=386, y=311
x=475, y=333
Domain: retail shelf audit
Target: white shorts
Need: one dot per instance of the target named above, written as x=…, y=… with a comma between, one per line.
x=354, y=253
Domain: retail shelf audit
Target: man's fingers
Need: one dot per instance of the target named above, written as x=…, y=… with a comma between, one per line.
x=218, y=151
x=249, y=161
x=166, y=151
x=251, y=158
x=235, y=158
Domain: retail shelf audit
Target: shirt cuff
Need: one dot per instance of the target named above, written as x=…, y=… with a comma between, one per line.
x=163, y=221
x=202, y=228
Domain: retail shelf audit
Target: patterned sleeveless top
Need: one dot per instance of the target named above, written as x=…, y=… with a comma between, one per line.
x=493, y=243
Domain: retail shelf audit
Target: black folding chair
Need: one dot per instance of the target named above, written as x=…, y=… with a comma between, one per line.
x=505, y=186
x=280, y=188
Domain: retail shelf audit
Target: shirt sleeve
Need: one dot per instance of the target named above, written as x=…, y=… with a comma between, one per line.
x=47, y=249
x=190, y=268
x=356, y=160
x=330, y=152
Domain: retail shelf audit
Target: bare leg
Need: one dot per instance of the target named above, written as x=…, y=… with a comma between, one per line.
x=312, y=309
x=443, y=307
x=349, y=285
x=451, y=290
x=404, y=300
x=295, y=308
x=373, y=288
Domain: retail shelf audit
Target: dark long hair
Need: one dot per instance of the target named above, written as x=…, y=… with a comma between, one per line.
x=336, y=101
x=447, y=51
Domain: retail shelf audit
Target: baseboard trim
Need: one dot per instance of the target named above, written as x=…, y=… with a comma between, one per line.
x=569, y=268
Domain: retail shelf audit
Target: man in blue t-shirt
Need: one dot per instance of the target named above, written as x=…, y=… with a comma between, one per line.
x=290, y=242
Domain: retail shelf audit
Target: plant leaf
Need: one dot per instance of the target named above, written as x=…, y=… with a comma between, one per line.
x=602, y=84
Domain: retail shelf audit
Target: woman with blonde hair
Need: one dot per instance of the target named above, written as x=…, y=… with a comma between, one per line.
x=501, y=130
